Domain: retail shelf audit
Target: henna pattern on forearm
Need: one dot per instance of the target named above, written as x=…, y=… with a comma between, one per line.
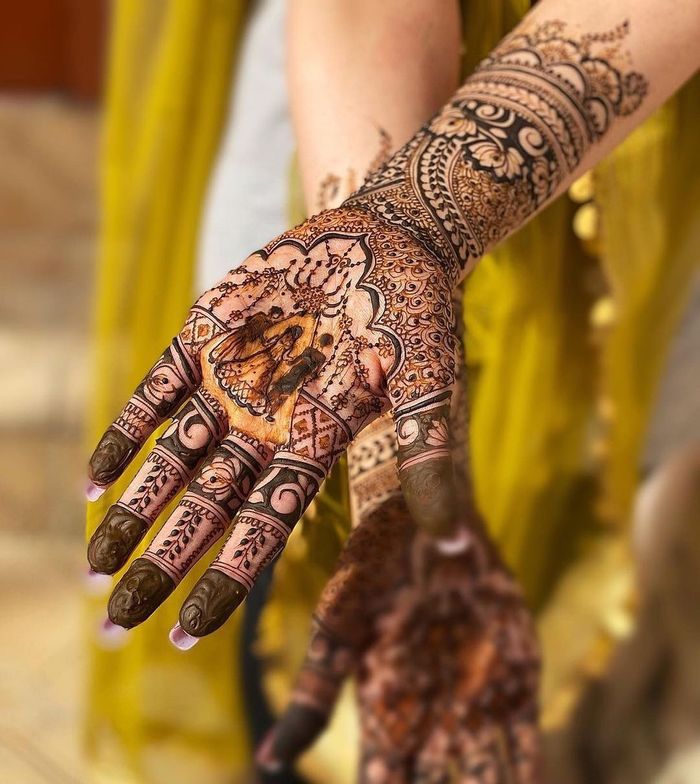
x=503, y=145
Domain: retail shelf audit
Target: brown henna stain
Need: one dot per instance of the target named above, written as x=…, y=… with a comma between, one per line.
x=306, y=366
x=111, y=456
x=210, y=603
x=296, y=730
x=142, y=589
x=431, y=496
x=115, y=539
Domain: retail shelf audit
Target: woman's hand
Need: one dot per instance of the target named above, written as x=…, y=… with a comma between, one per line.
x=275, y=370
x=444, y=653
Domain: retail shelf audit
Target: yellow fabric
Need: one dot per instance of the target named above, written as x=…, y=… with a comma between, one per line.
x=648, y=192
x=542, y=387
x=154, y=714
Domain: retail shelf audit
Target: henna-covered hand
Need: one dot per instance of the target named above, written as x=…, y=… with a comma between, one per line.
x=347, y=316
x=278, y=367
x=444, y=654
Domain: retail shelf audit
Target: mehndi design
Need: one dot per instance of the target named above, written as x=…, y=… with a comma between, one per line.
x=443, y=651
x=341, y=319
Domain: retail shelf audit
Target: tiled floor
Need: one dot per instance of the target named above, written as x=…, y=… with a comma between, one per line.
x=47, y=228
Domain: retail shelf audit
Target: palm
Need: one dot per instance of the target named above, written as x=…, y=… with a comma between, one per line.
x=281, y=364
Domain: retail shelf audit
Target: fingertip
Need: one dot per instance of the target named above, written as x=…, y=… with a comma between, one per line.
x=431, y=497
x=210, y=603
x=265, y=757
x=111, y=456
x=141, y=590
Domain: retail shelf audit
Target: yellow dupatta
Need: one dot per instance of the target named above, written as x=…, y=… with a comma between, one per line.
x=153, y=714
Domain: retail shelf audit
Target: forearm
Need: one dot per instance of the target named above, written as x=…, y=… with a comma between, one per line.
x=570, y=82
x=363, y=77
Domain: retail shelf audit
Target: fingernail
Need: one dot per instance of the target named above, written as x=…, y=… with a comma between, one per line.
x=93, y=491
x=180, y=639
x=110, y=635
x=97, y=584
x=454, y=545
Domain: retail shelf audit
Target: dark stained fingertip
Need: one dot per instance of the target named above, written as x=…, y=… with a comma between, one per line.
x=142, y=589
x=296, y=730
x=211, y=603
x=111, y=456
x=115, y=539
x=431, y=496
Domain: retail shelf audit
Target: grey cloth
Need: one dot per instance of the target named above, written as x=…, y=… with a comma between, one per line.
x=246, y=205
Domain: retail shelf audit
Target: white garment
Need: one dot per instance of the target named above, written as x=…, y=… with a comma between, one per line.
x=246, y=206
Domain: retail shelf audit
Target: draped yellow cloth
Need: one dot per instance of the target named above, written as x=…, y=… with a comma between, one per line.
x=561, y=397
x=153, y=714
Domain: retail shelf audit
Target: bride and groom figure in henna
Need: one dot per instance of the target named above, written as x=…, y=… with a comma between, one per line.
x=255, y=371
x=283, y=362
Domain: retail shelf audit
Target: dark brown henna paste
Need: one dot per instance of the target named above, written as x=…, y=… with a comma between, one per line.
x=210, y=603
x=142, y=589
x=111, y=456
x=115, y=539
x=293, y=734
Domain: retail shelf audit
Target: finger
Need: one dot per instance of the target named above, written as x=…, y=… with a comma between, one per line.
x=200, y=519
x=265, y=521
x=425, y=464
x=166, y=386
x=166, y=470
x=327, y=663
x=372, y=566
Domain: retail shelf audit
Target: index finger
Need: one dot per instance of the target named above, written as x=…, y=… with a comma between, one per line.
x=164, y=389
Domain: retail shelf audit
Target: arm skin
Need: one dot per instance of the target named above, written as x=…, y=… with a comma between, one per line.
x=369, y=285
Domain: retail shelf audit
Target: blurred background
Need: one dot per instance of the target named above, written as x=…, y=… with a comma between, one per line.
x=51, y=73
x=611, y=418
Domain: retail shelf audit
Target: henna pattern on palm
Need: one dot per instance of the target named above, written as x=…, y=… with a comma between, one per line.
x=298, y=350
x=339, y=320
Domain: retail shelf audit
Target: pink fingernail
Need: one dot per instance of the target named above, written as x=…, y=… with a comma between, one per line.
x=93, y=491
x=97, y=584
x=454, y=545
x=110, y=635
x=180, y=639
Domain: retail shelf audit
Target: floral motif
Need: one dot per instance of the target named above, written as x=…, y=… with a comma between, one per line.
x=506, y=162
x=452, y=122
x=438, y=434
